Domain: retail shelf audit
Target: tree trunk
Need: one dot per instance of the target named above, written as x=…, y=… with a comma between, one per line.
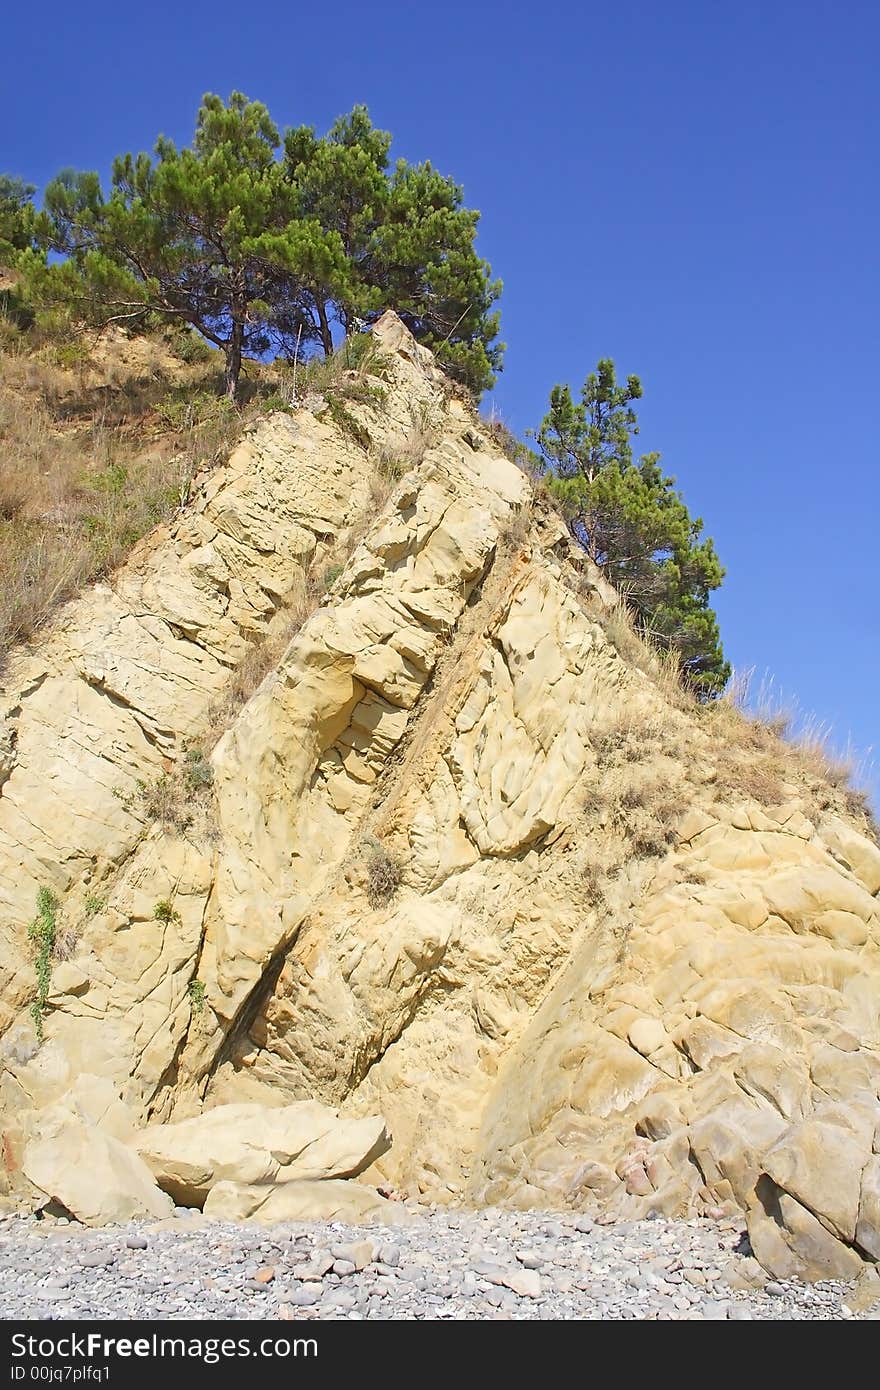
x=233, y=359
x=326, y=335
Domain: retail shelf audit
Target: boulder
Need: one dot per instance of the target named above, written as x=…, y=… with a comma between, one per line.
x=98, y=1179
x=820, y=1162
x=791, y=1243
x=853, y=850
x=333, y=1200
x=256, y=1145
x=868, y=1225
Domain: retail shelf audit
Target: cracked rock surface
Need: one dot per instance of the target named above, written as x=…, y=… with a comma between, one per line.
x=613, y=971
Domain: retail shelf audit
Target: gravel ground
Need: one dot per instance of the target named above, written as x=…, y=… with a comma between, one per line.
x=442, y=1264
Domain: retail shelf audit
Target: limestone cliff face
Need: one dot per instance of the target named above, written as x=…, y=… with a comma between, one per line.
x=606, y=978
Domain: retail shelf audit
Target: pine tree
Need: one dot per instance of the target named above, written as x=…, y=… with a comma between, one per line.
x=408, y=242
x=208, y=235
x=633, y=523
x=17, y=218
x=263, y=251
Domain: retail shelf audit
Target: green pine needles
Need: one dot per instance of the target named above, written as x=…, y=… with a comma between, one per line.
x=632, y=522
x=42, y=932
x=264, y=243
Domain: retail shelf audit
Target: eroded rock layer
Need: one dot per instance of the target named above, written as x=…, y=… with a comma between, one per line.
x=454, y=861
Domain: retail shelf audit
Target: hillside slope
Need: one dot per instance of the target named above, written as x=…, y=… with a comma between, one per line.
x=345, y=793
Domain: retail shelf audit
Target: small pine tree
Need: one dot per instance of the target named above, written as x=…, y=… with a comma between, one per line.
x=633, y=523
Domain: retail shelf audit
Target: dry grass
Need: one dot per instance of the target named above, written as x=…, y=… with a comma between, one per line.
x=89, y=465
x=648, y=654
x=766, y=743
x=640, y=793
x=264, y=654
x=101, y=439
x=384, y=872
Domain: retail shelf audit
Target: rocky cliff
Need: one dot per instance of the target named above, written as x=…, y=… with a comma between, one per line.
x=350, y=789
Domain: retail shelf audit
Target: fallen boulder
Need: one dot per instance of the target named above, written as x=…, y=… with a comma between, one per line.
x=98, y=1179
x=256, y=1145
x=332, y=1200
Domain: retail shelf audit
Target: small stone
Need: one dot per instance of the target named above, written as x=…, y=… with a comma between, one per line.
x=306, y=1296
x=137, y=1243
x=96, y=1259
x=525, y=1282
x=265, y=1274
x=320, y=1264
x=775, y=1290
x=344, y=1267
x=530, y=1259
x=360, y=1253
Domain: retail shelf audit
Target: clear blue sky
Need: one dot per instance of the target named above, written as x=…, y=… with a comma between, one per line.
x=688, y=187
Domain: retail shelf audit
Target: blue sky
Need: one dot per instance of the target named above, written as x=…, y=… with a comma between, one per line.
x=688, y=187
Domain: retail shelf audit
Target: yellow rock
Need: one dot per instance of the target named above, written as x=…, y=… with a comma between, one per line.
x=466, y=863
x=252, y=1144
x=302, y=1201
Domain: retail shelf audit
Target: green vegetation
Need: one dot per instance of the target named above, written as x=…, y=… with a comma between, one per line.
x=165, y=911
x=179, y=799
x=262, y=245
x=42, y=931
x=197, y=995
x=17, y=218
x=198, y=774
x=632, y=522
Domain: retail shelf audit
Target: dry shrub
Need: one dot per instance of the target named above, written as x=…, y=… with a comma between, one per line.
x=640, y=794
x=516, y=529
x=66, y=942
x=181, y=799
x=384, y=873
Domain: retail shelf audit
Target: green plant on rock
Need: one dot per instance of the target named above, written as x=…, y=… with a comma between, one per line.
x=197, y=995
x=165, y=911
x=93, y=905
x=348, y=423
x=42, y=932
x=198, y=773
